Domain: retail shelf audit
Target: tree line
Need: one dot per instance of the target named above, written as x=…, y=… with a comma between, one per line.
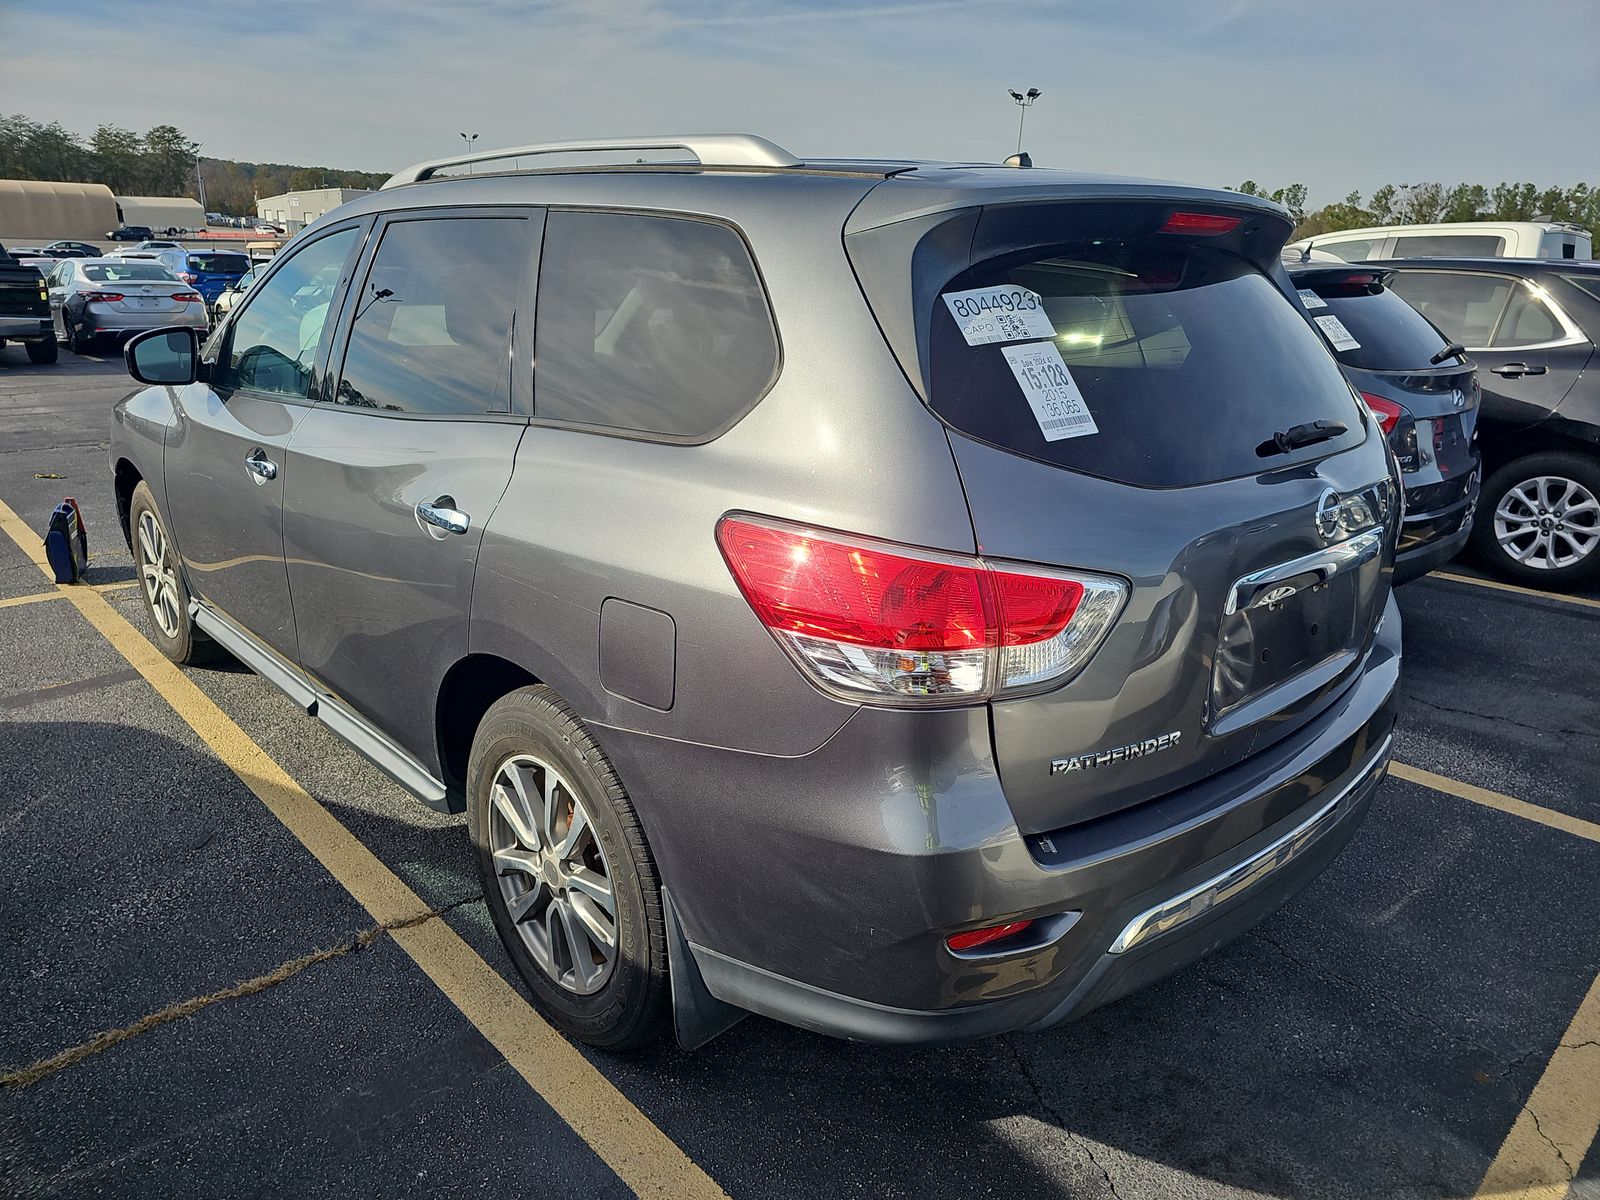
x=1427, y=203
x=159, y=162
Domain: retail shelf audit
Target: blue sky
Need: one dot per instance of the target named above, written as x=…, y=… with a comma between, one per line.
x=1337, y=95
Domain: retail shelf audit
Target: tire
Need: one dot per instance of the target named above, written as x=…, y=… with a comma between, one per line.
x=78, y=341
x=43, y=351
x=166, y=596
x=1547, y=508
x=533, y=735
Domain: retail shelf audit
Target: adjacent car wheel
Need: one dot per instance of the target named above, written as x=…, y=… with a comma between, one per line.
x=567, y=873
x=78, y=341
x=1539, y=520
x=42, y=350
x=166, y=597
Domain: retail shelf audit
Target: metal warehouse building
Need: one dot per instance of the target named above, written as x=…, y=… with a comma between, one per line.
x=296, y=210
x=36, y=210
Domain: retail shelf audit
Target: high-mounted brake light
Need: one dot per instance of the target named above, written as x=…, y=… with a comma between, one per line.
x=1205, y=224
x=1386, y=410
x=878, y=623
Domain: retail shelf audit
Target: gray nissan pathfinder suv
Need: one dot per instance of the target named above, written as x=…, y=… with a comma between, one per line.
x=907, y=600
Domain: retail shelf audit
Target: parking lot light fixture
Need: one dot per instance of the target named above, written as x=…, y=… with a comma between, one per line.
x=1024, y=101
x=469, y=138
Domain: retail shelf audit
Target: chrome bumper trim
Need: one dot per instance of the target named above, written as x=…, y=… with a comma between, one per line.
x=1197, y=901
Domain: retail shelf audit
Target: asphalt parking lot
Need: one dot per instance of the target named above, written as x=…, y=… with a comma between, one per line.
x=1423, y=1021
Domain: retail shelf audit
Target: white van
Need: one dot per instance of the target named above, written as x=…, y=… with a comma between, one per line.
x=1461, y=239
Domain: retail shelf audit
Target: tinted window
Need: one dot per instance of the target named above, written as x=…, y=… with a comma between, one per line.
x=219, y=264
x=432, y=330
x=272, y=344
x=128, y=269
x=1527, y=321
x=650, y=324
x=1587, y=283
x=1466, y=307
x=1439, y=245
x=1391, y=335
x=1353, y=251
x=1144, y=364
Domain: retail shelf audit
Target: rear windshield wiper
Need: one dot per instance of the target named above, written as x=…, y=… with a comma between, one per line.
x=1297, y=437
x=1453, y=350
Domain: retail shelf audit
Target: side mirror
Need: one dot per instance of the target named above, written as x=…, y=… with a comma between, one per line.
x=164, y=356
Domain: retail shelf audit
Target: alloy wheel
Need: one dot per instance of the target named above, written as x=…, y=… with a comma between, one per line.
x=553, y=874
x=159, y=576
x=1548, y=522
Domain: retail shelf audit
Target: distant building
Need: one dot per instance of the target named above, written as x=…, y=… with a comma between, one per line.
x=161, y=212
x=296, y=210
x=37, y=210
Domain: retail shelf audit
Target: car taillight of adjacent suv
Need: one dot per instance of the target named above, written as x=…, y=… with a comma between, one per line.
x=908, y=600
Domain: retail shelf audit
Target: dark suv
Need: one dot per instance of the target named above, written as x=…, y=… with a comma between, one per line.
x=1532, y=325
x=1422, y=388
x=908, y=600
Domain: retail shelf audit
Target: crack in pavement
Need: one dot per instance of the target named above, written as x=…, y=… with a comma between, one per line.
x=1567, y=1167
x=1055, y=1115
x=1468, y=712
x=21, y=1077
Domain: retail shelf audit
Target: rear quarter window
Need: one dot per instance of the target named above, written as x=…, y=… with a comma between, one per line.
x=1183, y=362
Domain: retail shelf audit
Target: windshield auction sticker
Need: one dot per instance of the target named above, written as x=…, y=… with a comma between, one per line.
x=1311, y=299
x=1337, y=334
x=999, y=314
x=1051, y=391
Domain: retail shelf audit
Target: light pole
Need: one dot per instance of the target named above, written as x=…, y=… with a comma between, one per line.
x=469, y=138
x=1024, y=102
x=199, y=179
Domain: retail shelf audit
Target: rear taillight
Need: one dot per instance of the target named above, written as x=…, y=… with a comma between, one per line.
x=90, y=297
x=1387, y=411
x=877, y=623
x=1205, y=224
x=187, y=276
x=187, y=297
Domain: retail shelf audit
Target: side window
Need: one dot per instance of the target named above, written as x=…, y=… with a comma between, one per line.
x=433, y=322
x=272, y=344
x=654, y=325
x=1465, y=307
x=1527, y=322
x=1352, y=251
x=1445, y=245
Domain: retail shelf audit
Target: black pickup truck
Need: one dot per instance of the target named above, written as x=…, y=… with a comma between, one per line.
x=25, y=310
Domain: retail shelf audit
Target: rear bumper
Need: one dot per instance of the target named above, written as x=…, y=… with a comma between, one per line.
x=24, y=328
x=1428, y=540
x=818, y=890
x=96, y=320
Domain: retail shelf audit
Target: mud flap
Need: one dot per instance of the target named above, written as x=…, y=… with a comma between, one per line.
x=697, y=1015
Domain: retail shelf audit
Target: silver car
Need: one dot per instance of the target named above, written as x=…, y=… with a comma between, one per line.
x=92, y=298
x=909, y=600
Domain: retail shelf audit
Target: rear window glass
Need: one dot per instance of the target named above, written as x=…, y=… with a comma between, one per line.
x=1145, y=365
x=126, y=270
x=1389, y=334
x=1586, y=283
x=1445, y=245
x=219, y=264
x=655, y=325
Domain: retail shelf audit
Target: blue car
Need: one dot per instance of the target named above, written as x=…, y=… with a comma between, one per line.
x=208, y=271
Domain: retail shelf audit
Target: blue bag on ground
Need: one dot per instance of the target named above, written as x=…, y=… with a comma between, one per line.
x=66, y=543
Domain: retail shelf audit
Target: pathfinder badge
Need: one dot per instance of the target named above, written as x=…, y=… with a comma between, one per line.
x=1106, y=758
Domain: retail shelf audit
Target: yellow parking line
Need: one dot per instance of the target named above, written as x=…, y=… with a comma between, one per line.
x=1506, y=804
x=15, y=601
x=115, y=587
x=1583, y=601
x=643, y=1157
x=1553, y=1132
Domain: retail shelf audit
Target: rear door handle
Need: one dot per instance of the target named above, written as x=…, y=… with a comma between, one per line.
x=261, y=467
x=443, y=514
x=1517, y=370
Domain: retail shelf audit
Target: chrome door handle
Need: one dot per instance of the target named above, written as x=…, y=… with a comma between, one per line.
x=443, y=514
x=261, y=467
x=1515, y=370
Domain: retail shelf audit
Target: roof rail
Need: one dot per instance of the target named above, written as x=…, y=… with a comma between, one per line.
x=712, y=149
